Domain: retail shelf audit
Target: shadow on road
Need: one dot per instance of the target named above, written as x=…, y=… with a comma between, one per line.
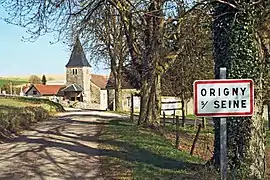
x=68, y=148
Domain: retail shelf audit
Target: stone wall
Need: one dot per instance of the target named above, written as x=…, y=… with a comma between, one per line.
x=80, y=76
x=126, y=101
x=95, y=94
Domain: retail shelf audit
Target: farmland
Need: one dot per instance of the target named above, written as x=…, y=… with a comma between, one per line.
x=15, y=81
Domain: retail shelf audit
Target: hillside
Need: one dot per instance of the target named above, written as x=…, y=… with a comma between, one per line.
x=26, y=77
x=14, y=81
x=22, y=79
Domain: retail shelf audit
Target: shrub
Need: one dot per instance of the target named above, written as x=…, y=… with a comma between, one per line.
x=16, y=119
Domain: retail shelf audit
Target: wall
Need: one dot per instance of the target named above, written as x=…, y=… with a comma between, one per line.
x=126, y=101
x=31, y=92
x=95, y=94
x=103, y=99
x=87, y=83
x=82, y=78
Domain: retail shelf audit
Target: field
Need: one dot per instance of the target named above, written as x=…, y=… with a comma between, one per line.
x=17, y=80
x=14, y=81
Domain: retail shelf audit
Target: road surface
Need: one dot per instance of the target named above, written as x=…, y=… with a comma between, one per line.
x=65, y=147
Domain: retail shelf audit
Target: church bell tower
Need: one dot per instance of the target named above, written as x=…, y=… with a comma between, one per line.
x=78, y=71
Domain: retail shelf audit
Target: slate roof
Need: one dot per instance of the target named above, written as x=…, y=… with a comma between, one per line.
x=46, y=90
x=77, y=58
x=73, y=88
x=99, y=80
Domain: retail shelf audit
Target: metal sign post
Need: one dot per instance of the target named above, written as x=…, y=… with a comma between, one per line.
x=223, y=138
x=223, y=98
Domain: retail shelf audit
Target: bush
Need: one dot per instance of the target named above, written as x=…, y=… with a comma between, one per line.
x=16, y=119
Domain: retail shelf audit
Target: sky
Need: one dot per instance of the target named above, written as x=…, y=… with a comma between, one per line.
x=26, y=58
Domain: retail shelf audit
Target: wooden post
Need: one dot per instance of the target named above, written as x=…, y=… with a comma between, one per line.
x=132, y=108
x=195, y=140
x=203, y=122
x=164, y=119
x=195, y=124
x=268, y=110
x=177, y=141
x=183, y=113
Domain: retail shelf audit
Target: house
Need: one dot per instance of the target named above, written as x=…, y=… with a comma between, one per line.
x=128, y=88
x=98, y=91
x=46, y=91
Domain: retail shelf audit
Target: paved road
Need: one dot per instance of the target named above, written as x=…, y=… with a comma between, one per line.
x=63, y=148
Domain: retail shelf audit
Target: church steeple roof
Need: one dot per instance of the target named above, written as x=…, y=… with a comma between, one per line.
x=77, y=58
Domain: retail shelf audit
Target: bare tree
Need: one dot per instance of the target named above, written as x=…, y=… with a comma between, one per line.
x=195, y=60
x=34, y=79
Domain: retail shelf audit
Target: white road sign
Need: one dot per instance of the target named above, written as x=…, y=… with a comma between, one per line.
x=223, y=98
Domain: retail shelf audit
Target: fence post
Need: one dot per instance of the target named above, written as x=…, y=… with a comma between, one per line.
x=183, y=113
x=268, y=110
x=195, y=124
x=195, y=140
x=132, y=109
x=203, y=122
x=163, y=119
x=177, y=133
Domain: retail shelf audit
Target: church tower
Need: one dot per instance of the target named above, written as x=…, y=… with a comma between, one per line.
x=78, y=71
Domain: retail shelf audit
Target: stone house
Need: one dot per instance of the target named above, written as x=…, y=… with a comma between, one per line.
x=127, y=89
x=98, y=91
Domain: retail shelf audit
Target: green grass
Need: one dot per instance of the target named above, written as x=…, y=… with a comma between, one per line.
x=19, y=113
x=14, y=81
x=139, y=153
x=190, y=129
x=17, y=102
x=13, y=103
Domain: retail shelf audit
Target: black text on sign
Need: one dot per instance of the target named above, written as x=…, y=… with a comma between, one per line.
x=218, y=98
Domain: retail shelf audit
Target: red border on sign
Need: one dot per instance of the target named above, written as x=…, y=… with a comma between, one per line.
x=222, y=81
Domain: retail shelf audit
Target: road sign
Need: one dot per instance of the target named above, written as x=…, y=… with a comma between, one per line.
x=224, y=97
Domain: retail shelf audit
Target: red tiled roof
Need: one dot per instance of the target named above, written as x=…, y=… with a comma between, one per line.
x=24, y=89
x=99, y=80
x=48, y=89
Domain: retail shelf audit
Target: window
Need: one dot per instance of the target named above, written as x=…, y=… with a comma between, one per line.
x=34, y=92
x=74, y=71
x=128, y=102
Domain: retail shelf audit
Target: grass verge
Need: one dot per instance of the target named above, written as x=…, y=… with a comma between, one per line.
x=18, y=113
x=48, y=105
x=139, y=153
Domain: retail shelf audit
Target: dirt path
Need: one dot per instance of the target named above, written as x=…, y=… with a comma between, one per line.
x=63, y=148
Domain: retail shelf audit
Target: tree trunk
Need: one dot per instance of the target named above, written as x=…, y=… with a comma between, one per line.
x=118, y=93
x=151, y=81
x=236, y=48
x=150, y=101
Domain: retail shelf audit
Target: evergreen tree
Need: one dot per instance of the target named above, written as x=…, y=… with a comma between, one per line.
x=44, y=80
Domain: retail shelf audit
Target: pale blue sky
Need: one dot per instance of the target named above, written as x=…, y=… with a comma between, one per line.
x=26, y=58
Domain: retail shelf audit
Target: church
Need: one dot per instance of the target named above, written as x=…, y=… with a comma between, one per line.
x=88, y=90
